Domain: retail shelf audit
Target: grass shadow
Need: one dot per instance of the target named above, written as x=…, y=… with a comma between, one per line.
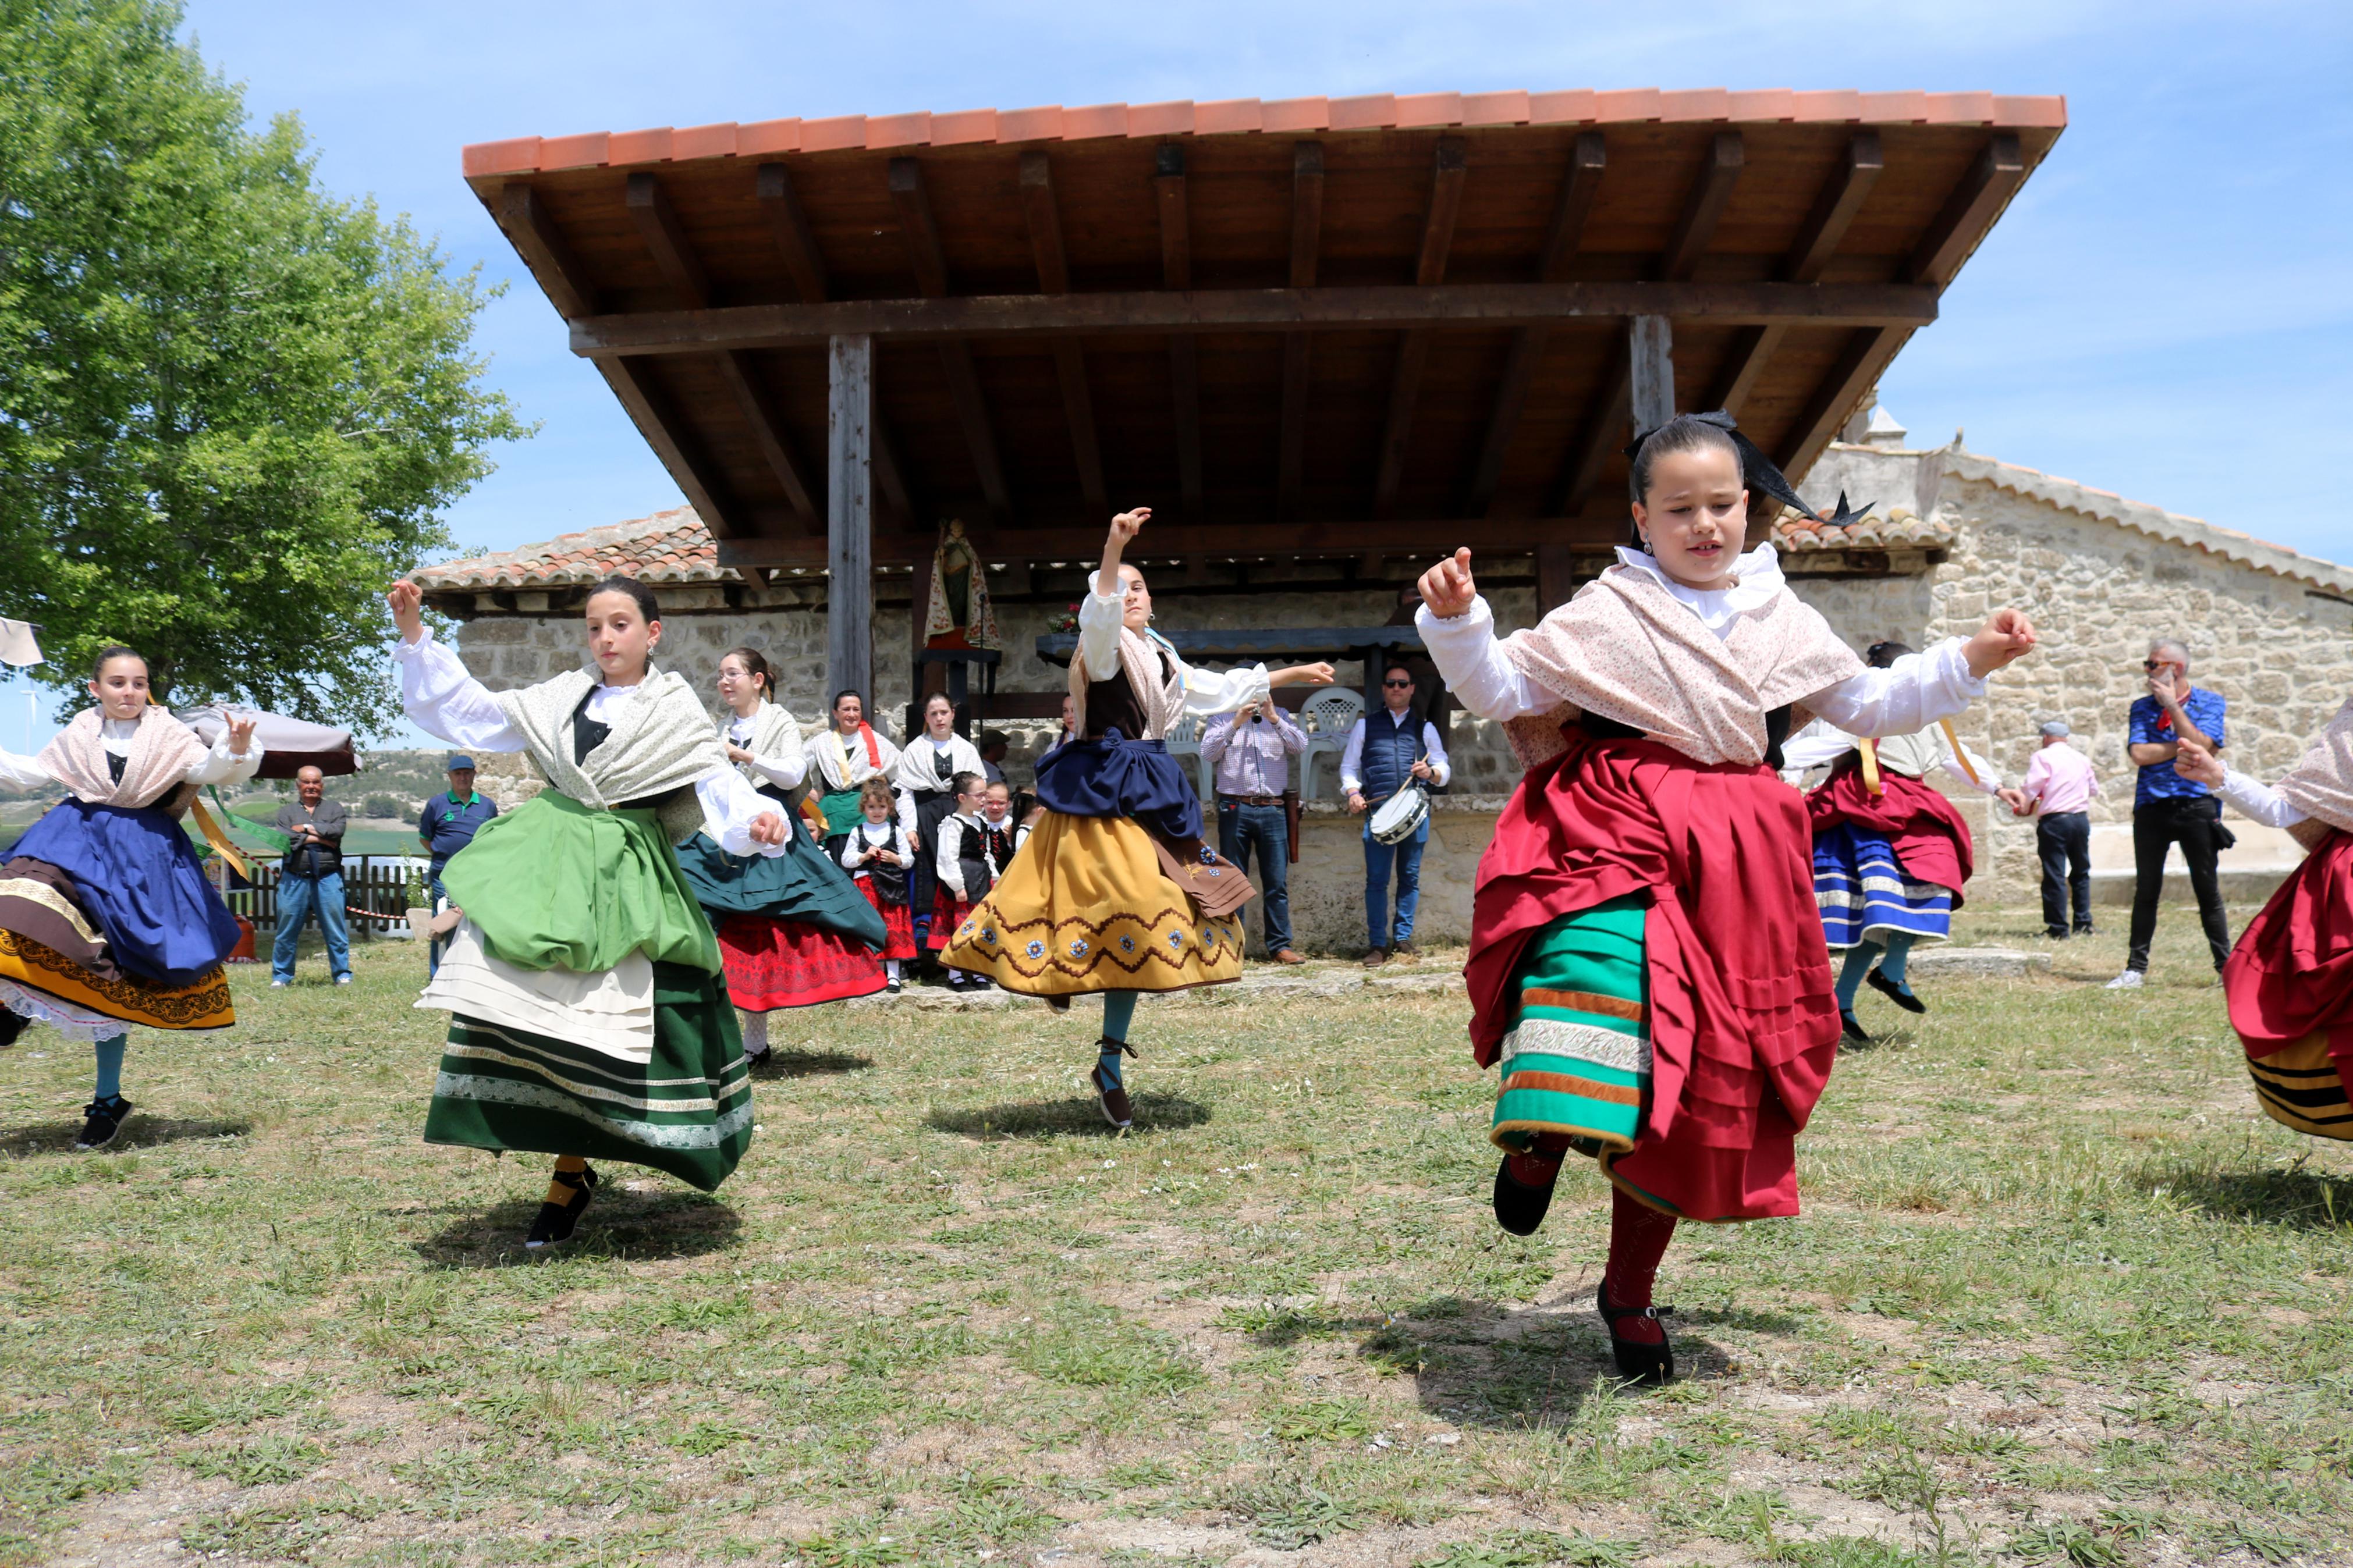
x=811, y=1064
x=2289, y=1196
x=141, y=1132
x=1503, y=1368
x=618, y=1225
x=1072, y=1118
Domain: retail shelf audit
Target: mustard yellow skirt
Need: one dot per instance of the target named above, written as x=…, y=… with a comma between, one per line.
x=201, y=1003
x=1084, y=906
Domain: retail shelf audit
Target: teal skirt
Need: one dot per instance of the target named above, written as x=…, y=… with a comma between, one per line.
x=687, y=1111
x=804, y=885
x=1577, y=1060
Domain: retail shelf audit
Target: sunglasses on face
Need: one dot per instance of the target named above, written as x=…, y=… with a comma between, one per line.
x=1397, y=685
x=2154, y=665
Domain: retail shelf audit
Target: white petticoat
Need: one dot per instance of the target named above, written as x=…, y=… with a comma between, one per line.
x=74, y=1022
x=611, y=1013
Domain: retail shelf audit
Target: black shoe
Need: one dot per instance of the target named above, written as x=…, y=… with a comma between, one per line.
x=1648, y=1364
x=1850, y=1028
x=1059, y=1004
x=104, y=1119
x=2055, y=933
x=1899, y=995
x=556, y=1222
x=11, y=1025
x=978, y=983
x=1520, y=1208
x=1110, y=1093
x=755, y=1060
x=2087, y=931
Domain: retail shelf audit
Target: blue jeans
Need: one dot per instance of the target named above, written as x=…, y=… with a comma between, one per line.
x=1265, y=827
x=433, y=896
x=1378, y=858
x=299, y=897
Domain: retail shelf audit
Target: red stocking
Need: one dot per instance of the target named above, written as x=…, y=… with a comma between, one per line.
x=1638, y=1239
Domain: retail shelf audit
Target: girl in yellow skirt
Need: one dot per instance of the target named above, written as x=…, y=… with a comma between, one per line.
x=1116, y=891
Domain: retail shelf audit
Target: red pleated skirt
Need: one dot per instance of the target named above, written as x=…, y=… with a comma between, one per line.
x=786, y=963
x=947, y=914
x=896, y=921
x=1743, y=1023
x=2291, y=974
x=1929, y=835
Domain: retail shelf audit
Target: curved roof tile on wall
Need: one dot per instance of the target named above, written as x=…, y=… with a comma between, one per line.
x=1242, y=116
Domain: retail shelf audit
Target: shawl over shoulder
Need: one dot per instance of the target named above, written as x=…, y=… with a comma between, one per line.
x=661, y=744
x=1139, y=660
x=1626, y=648
x=774, y=734
x=2320, y=785
x=163, y=753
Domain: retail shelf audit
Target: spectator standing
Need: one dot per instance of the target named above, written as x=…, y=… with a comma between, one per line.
x=1250, y=751
x=447, y=824
x=2059, y=787
x=994, y=745
x=2169, y=809
x=311, y=878
x=1385, y=750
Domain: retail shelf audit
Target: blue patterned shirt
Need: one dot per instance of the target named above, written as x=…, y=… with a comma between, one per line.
x=2151, y=725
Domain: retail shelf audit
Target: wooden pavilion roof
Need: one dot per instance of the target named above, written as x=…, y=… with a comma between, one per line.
x=1314, y=327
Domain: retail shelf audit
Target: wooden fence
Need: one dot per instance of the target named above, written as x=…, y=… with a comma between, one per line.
x=376, y=896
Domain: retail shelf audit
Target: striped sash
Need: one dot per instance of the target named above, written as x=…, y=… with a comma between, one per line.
x=1577, y=1059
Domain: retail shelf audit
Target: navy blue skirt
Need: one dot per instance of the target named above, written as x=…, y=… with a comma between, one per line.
x=1115, y=776
x=136, y=875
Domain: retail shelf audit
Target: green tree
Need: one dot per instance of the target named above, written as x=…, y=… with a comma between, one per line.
x=232, y=407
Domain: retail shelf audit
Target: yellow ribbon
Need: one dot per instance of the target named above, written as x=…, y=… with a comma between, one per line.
x=1868, y=750
x=209, y=825
x=1960, y=755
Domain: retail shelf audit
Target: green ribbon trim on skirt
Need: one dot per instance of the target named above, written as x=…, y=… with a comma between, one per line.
x=1578, y=1059
x=555, y=885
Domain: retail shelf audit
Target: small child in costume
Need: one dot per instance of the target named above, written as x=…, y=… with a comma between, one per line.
x=876, y=854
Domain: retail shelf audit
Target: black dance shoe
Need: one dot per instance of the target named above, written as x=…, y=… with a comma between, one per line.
x=1850, y=1028
x=1110, y=1092
x=1649, y=1365
x=1899, y=995
x=556, y=1222
x=102, y=1119
x=1520, y=1208
x=11, y=1025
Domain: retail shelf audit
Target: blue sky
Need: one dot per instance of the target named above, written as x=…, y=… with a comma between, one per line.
x=2164, y=312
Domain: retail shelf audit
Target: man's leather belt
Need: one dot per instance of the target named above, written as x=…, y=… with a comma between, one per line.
x=1253, y=799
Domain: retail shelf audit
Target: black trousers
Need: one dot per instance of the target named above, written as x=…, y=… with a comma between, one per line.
x=2157, y=826
x=2065, y=839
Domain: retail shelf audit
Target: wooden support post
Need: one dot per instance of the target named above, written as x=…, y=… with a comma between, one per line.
x=1184, y=352
x=1553, y=584
x=849, y=516
x=1649, y=346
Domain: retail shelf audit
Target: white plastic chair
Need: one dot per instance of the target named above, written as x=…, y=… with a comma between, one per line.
x=1327, y=717
x=1185, y=740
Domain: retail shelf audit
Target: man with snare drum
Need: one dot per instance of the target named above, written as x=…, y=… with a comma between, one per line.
x=1388, y=751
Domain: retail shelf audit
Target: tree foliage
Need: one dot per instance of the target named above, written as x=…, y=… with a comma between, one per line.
x=232, y=406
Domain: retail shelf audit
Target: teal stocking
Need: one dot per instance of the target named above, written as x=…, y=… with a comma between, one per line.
x=1858, y=964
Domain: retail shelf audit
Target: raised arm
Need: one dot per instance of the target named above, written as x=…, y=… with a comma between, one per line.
x=1919, y=689
x=233, y=758
x=23, y=772
x=438, y=691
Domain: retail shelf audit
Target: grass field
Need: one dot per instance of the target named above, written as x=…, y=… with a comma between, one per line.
x=2060, y=1296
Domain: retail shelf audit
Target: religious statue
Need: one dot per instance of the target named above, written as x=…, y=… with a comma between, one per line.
x=959, y=614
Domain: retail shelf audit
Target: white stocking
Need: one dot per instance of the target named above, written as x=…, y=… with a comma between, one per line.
x=756, y=1031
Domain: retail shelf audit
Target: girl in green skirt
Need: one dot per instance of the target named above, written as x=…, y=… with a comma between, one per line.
x=589, y=1018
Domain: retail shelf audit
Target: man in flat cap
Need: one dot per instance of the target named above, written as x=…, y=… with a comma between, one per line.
x=2058, y=790
x=447, y=824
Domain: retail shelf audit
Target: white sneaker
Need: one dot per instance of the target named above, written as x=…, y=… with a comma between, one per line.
x=277, y=985
x=343, y=979
x=2129, y=981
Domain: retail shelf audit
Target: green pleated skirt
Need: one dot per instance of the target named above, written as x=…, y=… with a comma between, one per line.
x=686, y=1111
x=1578, y=1062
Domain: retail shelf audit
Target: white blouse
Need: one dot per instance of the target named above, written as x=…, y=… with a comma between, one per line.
x=860, y=844
x=2258, y=801
x=1207, y=692
x=443, y=698
x=1910, y=756
x=1908, y=696
x=219, y=766
x=919, y=769
x=785, y=769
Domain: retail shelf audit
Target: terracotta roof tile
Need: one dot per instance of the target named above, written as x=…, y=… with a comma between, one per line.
x=669, y=547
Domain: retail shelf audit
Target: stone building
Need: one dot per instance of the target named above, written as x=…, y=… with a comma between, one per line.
x=1949, y=535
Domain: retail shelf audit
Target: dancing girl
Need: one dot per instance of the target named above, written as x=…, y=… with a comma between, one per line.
x=793, y=929
x=1114, y=892
x=1646, y=964
x=588, y=1018
x=106, y=919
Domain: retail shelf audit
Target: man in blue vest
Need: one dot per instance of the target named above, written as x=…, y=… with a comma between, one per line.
x=1386, y=750
x=447, y=824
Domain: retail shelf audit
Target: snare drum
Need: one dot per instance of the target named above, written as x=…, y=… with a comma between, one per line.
x=1401, y=817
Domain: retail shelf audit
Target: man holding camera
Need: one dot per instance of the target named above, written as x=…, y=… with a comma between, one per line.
x=1250, y=751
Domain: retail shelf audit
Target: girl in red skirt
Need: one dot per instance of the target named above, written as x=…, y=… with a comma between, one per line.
x=875, y=853
x=1646, y=960
x=2289, y=982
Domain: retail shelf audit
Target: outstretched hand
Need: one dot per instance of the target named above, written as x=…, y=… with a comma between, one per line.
x=1128, y=524
x=1301, y=674
x=2196, y=763
x=1448, y=589
x=768, y=828
x=2007, y=636
x=407, y=601
x=240, y=734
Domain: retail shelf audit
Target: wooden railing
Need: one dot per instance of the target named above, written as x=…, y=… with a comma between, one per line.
x=376, y=896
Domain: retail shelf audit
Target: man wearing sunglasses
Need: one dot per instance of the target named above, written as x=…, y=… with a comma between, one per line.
x=1385, y=750
x=2169, y=809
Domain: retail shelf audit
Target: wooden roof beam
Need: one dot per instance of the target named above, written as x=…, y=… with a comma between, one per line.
x=532, y=232
x=925, y=258
x=650, y=209
x=795, y=240
x=1726, y=157
x=1450, y=170
x=1184, y=354
x=1165, y=311
x=1306, y=240
x=1840, y=198
x=1968, y=213
x=1587, y=161
x=1039, y=209
x=1603, y=431
x=1855, y=373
